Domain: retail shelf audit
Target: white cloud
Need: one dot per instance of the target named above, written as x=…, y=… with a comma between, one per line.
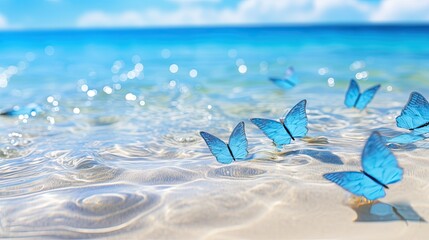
x=3, y=22
x=265, y=12
x=150, y=17
x=402, y=11
x=102, y=19
x=342, y=11
x=193, y=1
x=304, y=11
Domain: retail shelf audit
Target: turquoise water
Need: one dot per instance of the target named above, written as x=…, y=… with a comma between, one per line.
x=114, y=150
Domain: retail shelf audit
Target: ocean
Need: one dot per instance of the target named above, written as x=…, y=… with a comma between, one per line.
x=100, y=132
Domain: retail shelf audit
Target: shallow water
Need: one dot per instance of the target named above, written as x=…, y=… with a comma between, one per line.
x=115, y=150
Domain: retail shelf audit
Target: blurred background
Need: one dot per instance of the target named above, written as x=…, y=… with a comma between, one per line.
x=77, y=14
x=102, y=103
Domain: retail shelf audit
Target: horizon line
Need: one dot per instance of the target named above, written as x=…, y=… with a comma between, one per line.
x=220, y=26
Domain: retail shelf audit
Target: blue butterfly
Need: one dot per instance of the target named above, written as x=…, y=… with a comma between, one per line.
x=359, y=100
x=235, y=150
x=294, y=125
x=31, y=110
x=415, y=115
x=288, y=82
x=380, y=168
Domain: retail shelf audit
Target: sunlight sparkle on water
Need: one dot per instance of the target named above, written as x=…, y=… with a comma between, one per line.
x=131, y=75
x=50, y=119
x=123, y=77
x=165, y=53
x=107, y=89
x=49, y=50
x=356, y=65
x=130, y=97
x=323, y=71
x=3, y=80
x=117, y=65
x=84, y=88
x=91, y=93
x=331, y=82
x=174, y=68
x=361, y=75
x=242, y=69
x=239, y=62
x=172, y=84
x=193, y=73
x=117, y=86
x=11, y=70
x=138, y=67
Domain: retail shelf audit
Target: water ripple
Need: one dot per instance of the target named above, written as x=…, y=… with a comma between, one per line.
x=78, y=212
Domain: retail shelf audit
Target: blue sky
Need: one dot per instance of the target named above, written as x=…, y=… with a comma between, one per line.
x=60, y=14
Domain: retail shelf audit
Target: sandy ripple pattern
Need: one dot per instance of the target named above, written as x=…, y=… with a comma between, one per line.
x=78, y=212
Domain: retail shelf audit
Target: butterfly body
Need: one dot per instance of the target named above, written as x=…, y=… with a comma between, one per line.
x=359, y=100
x=293, y=126
x=230, y=152
x=421, y=126
x=374, y=179
x=234, y=150
x=415, y=115
x=287, y=130
x=380, y=168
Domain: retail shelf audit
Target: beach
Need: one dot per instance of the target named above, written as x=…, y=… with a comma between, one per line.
x=113, y=149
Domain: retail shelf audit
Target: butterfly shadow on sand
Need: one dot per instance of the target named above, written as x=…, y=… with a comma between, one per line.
x=377, y=211
x=322, y=156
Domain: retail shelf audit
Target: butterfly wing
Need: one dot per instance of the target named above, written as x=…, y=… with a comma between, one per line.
x=291, y=76
x=296, y=120
x=357, y=183
x=273, y=130
x=415, y=113
x=218, y=148
x=366, y=97
x=421, y=130
x=31, y=110
x=352, y=94
x=238, y=142
x=379, y=162
x=282, y=82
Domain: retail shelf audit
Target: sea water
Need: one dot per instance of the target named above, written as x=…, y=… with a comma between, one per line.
x=112, y=148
